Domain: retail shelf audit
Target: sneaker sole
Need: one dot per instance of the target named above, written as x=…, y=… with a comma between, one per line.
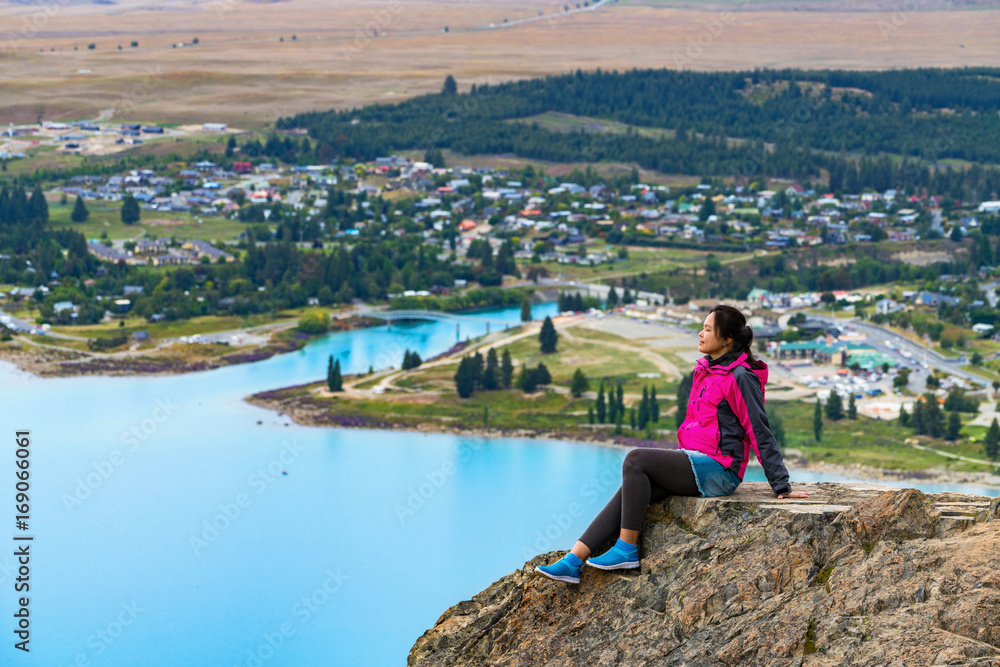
x=569, y=580
x=619, y=566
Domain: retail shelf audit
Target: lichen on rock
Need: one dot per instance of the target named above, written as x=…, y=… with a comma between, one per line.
x=854, y=575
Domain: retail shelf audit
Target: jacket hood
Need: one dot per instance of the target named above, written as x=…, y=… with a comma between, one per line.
x=727, y=362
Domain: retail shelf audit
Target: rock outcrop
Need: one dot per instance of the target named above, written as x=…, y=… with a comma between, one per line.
x=854, y=575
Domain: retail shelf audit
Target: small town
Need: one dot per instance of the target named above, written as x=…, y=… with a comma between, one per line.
x=892, y=297
x=631, y=333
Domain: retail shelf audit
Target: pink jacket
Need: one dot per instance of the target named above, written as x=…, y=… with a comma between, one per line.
x=725, y=418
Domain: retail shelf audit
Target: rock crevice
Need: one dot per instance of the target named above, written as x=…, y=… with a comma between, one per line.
x=854, y=575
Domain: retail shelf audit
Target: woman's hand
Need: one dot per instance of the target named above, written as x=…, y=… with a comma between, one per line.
x=795, y=494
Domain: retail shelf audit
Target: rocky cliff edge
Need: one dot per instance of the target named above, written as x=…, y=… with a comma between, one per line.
x=854, y=575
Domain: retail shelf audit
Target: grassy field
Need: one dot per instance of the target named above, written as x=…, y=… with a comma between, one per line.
x=106, y=217
x=874, y=443
x=510, y=409
x=641, y=260
x=597, y=361
x=256, y=62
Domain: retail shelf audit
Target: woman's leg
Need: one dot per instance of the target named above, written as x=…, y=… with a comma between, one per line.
x=667, y=475
x=642, y=472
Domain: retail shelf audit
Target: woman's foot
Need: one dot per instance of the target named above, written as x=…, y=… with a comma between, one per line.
x=622, y=556
x=565, y=569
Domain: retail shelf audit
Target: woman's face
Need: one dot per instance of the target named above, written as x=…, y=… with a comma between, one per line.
x=708, y=341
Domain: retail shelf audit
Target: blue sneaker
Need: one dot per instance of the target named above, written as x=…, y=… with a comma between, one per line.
x=562, y=570
x=618, y=557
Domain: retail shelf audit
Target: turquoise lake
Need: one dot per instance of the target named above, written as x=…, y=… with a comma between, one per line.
x=171, y=529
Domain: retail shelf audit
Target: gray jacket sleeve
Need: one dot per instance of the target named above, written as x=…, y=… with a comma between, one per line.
x=767, y=447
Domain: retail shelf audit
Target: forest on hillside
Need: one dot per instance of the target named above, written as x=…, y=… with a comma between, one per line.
x=790, y=123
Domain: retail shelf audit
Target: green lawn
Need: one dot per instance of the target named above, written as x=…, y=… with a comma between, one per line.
x=106, y=217
x=874, y=443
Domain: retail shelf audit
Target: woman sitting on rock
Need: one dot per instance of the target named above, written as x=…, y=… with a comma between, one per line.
x=725, y=419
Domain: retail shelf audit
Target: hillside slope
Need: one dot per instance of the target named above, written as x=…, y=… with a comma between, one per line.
x=855, y=575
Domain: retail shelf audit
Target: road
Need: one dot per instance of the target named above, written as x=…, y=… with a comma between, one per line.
x=876, y=336
x=17, y=324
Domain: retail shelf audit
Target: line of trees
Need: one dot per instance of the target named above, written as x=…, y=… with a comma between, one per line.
x=530, y=379
x=411, y=360
x=795, y=124
x=334, y=378
x=576, y=302
x=489, y=374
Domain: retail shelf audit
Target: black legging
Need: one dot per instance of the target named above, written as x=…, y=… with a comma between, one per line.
x=648, y=476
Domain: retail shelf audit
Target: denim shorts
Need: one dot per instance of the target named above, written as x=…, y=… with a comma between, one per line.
x=711, y=477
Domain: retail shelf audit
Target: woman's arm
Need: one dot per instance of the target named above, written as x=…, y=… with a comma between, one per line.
x=750, y=411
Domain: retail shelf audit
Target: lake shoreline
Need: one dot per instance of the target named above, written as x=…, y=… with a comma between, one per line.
x=282, y=401
x=278, y=401
x=49, y=360
x=58, y=362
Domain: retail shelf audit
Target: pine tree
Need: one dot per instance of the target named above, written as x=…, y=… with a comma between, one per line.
x=683, y=395
x=80, y=212
x=954, y=426
x=852, y=408
x=612, y=406
x=618, y=424
x=590, y=414
x=334, y=379
x=654, y=405
x=548, y=336
x=918, y=417
x=612, y=298
x=579, y=384
x=506, y=369
x=450, y=87
x=834, y=407
x=491, y=376
x=478, y=368
x=527, y=379
x=465, y=377
x=525, y=310
x=818, y=421
x=642, y=417
x=599, y=406
x=542, y=375
x=933, y=418
x=37, y=206
x=904, y=416
x=991, y=444
x=632, y=418
x=621, y=399
x=130, y=210
x=777, y=429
